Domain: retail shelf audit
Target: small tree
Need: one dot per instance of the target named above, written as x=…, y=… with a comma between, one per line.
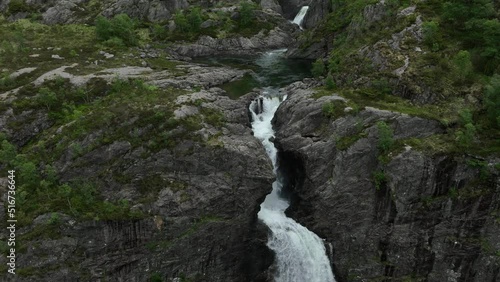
x=385, y=136
x=181, y=22
x=318, y=68
x=247, y=10
x=48, y=98
x=466, y=136
x=430, y=32
x=465, y=116
x=121, y=27
x=462, y=64
x=492, y=100
x=330, y=84
x=194, y=19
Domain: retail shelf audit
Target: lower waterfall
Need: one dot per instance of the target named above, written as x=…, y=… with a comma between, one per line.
x=300, y=254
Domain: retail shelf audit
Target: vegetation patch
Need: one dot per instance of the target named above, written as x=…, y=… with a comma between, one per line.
x=345, y=142
x=333, y=109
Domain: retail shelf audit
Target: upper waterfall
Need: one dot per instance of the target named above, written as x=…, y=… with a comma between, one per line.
x=300, y=16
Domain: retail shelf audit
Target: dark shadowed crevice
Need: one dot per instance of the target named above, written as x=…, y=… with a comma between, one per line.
x=258, y=258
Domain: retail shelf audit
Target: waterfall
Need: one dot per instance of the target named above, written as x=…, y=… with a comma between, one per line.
x=300, y=254
x=299, y=18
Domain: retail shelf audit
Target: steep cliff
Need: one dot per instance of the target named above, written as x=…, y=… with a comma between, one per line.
x=409, y=213
x=131, y=166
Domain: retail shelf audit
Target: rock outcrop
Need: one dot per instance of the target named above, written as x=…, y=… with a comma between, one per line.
x=428, y=217
x=317, y=12
x=292, y=7
x=198, y=199
x=206, y=45
x=271, y=5
x=81, y=11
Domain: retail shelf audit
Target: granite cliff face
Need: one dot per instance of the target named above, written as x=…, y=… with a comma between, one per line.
x=431, y=217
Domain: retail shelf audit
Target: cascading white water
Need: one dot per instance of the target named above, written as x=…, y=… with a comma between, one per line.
x=299, y=18
x=300, y=254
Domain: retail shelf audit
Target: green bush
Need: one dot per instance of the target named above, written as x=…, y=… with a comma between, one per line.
x=431, y=33
x=120, y=26
x=492, y=100
x=181, y=22
x=382, y=86
x=48, y=98
x=465, y=116
x=114, y=42
x=194, y=19
x=466, y=136
x=329, y=83
x=156, y=277
x=159, y=32
x=18, y=6
x=379, y=179
x=385, y=138
x=247, y=11
x=463, y=65
x=318, y=68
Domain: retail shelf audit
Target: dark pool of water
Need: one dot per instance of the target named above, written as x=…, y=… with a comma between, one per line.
x=270, y=69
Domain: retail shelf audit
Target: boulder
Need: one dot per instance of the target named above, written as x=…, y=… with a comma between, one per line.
x=271, y=5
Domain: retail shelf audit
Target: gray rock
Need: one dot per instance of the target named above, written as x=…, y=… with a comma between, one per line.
x=292, y=7
x=207, y=45
x=185, y=111
x=61, y=12
x=208, y=23
x=271, y=5
x=318, y=11
x=154, y=11
x=407, y=11
x=410, y=223
x=21, y=72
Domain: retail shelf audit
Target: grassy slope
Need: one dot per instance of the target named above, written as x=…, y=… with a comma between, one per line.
x=459, y=84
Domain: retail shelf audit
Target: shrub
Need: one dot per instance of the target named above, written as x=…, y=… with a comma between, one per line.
x=492, y=100
x=7, y=152
x=382, y=86
x=54, y=219
x=462, y=65
x=466, y=136
x=114, y=42
x=120, y=26
x=386, y=139
x=329, y=83
x=465, y=116
x=155, y=277
x=159, y=32
x=48, y=98
x=318, y=68
x=379, y=179
x=194, y=20
x=18, y=6
x=430, y=32
x=181, y=22
x=247, y=10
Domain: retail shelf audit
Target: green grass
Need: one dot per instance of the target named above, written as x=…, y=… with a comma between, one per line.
x=345, y=142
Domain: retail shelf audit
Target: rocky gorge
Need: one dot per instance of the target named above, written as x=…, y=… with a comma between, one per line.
x=166, y=177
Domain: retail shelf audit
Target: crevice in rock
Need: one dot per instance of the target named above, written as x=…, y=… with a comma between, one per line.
x=259, y=259
x=292, y=170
